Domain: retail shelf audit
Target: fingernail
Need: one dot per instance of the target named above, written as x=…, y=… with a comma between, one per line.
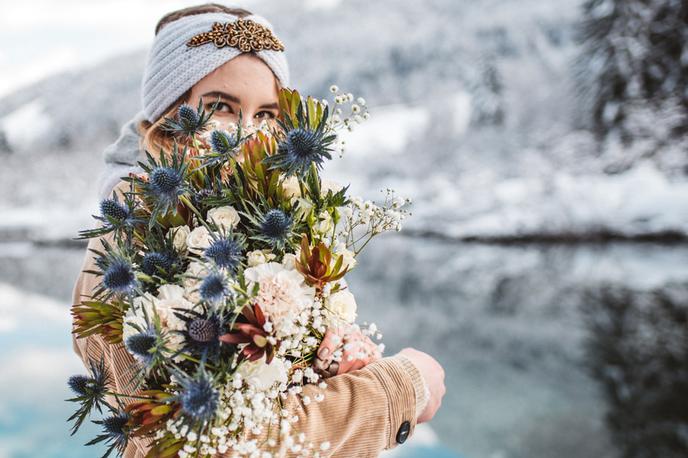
x=323, y=352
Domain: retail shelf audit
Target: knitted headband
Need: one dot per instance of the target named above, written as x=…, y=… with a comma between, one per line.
x=189, y=48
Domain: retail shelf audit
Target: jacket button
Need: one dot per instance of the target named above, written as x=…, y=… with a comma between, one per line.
x=403, y=432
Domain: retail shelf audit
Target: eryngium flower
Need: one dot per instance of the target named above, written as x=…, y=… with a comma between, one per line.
x=213, y=287
x=166, y=182
x=142, y=345
x=90, y=392
x=115, y=432
x=275, y=225
x=199, y=398
x=112, y=208
x=222, y=142
x=225, y=252
x=119, y=276
x=299, y=149
x=154, y=261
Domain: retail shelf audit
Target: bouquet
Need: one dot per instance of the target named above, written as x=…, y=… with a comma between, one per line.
x=225, y=266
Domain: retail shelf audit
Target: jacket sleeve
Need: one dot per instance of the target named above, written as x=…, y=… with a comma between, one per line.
x=360, y=415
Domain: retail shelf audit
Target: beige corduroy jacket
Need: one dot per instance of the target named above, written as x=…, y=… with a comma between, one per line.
x=360, y=416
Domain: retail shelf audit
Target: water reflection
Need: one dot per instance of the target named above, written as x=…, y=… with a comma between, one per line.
x=543, y=358
x=638, y=350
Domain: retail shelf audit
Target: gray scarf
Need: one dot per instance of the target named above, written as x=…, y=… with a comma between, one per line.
x=121, y=156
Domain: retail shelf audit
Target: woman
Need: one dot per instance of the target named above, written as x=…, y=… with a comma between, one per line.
x=370, y=404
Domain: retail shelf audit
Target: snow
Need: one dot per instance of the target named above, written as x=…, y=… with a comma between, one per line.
x=26, y=124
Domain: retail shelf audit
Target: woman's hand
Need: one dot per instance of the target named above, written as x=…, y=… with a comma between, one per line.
x=344, y=349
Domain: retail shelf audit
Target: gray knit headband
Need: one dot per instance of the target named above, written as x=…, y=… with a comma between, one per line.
x=187, y=49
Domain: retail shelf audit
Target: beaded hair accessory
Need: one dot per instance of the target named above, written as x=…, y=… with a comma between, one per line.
x=243, y=34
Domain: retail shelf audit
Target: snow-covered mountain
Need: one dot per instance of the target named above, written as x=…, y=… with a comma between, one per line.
x=474, y=116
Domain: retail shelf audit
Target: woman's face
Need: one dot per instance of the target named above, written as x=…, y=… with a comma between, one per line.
x=244, y=83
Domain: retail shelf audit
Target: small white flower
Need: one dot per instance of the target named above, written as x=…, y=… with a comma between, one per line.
x=225, y=217
x=334, y=89
x=258, y=257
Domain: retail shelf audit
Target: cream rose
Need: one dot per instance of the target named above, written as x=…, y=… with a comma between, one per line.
x=198, y=240
x=341, y=306
x=258, y=257
x=263, y=376
x=224, y=217
x=179, y=238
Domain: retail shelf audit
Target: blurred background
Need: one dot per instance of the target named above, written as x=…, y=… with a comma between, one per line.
x=545, y=146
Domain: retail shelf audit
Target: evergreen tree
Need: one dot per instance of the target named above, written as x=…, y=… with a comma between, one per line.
x=634, y=54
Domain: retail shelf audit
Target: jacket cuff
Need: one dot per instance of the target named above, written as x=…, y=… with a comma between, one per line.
x=419, y=384
x=399, y=384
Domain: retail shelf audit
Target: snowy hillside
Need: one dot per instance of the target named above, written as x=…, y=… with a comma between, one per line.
x=473, y=116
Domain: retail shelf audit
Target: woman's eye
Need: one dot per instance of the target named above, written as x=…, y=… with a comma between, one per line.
x=220, y=107
x=261, y=114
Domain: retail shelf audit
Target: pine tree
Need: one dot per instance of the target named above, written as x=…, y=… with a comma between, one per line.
x=634, y=53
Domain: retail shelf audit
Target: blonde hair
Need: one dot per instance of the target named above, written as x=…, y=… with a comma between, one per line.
x=153, y=136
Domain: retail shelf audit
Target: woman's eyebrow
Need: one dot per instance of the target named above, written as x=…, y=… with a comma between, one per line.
x=224, y=95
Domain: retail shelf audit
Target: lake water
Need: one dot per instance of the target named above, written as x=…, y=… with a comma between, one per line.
x=546, y=352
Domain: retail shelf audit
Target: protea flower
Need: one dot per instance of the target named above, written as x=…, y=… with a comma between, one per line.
x=90, y=391
x=115, y=434
x=152, y=412
x=104, y=318
x=318, y=265
x=252, y=333
x=225, y=252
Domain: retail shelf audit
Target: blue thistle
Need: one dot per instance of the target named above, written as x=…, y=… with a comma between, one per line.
x=222, y=142
x=80, y=384
x=188, y=121
x=90, y=391
x=187, y=116
x=299, y=149
x=275, y=225
x=225, y=253
x=213, y=287
x=143, y=345
x=113, y=209
x=119, y=276
x=154, y=261
x=115, y=432
x=166, y=181
x=199, y=398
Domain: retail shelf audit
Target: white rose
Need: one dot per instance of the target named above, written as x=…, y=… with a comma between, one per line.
x=261, y=375
x=198, y=240
x=172, y=297
x=225, y=217
x=291, y=188
x=341, y=306
x=258, y=257
x=179, y=239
